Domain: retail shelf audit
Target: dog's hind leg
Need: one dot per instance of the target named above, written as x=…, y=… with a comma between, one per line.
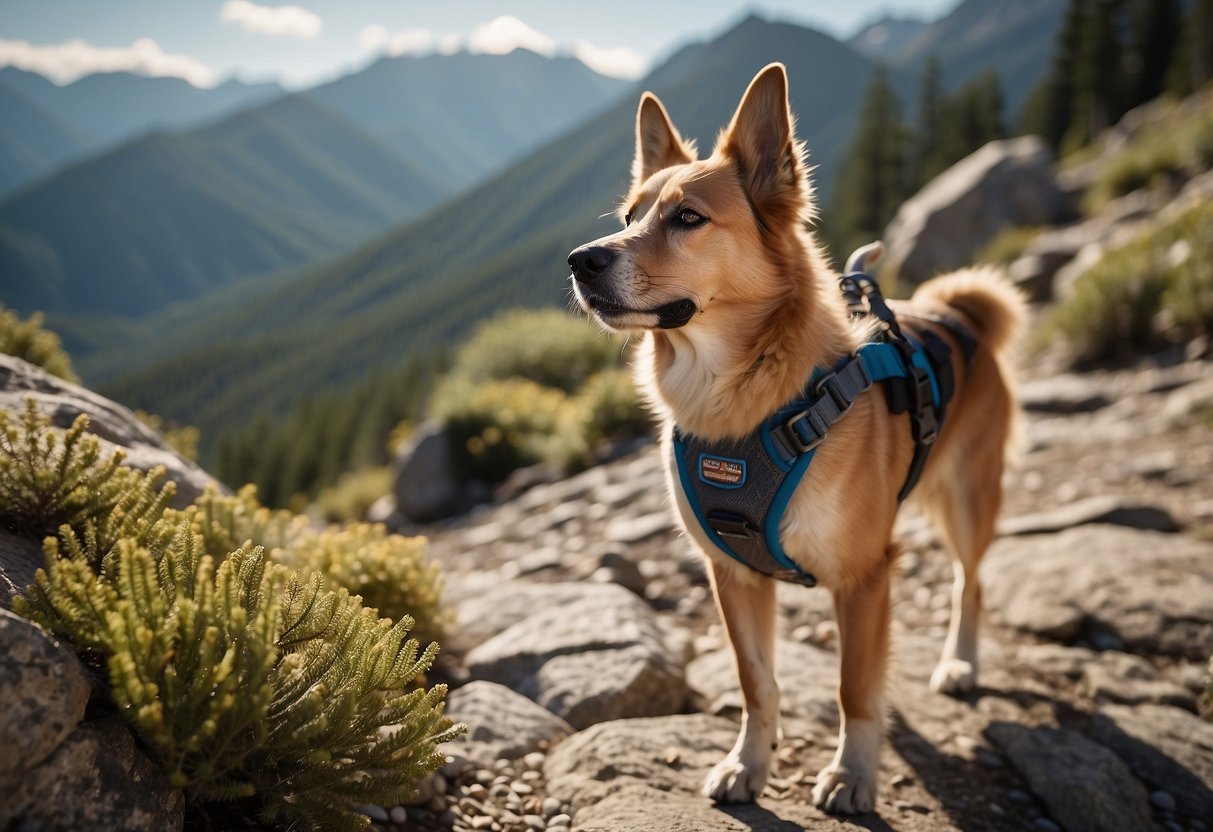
x=965, y=510
x=747, y=607
x=848, y=783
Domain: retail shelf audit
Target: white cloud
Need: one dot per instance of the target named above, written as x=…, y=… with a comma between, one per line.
x=618, y=62
x=504, y=34
x=499, y=37
x=377, y=38
x=276, y=21
x=65, y=62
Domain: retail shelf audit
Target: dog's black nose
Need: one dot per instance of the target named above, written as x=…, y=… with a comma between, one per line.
x=589, y=262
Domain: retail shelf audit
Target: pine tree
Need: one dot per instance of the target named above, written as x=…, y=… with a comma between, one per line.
x=875, y=177
x=930, y=117
x=1155, y=35
x=1048, y=111
x=1099, y=76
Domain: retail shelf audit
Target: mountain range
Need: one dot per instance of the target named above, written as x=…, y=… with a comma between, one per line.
x=498, y=237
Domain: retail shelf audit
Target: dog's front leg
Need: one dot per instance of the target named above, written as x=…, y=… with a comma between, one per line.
x=746, y=601
x=848, y=783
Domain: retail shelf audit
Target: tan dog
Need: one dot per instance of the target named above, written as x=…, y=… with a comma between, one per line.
x=714, y=264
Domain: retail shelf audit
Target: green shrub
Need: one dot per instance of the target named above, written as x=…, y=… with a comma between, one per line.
x=390, y=572
x=181, y=438
x=611, y=408
x=245, y=680
x=1008, y=246
x=1156, y=289
x=1179, y=140
x=352, y=496
x=546, y=346
x=30, y=342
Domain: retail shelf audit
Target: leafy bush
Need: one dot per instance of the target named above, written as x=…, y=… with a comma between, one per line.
x=352, y=496
x=245, y=680
x=546, y=346
x=1156, y=289
x=181, y=438
x=500, y=426
x=30, y=342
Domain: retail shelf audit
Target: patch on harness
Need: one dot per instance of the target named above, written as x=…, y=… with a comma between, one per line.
x=722, y=471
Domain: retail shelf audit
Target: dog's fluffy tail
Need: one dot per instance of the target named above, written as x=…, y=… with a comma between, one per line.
x=986, y=297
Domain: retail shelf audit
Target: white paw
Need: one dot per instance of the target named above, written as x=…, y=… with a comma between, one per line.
x=954, y=676
x=732, y=781
x=845, y=791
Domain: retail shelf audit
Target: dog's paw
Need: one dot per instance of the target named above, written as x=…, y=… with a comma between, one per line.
x=843, y=791
x=732, y=781
x=954, y=676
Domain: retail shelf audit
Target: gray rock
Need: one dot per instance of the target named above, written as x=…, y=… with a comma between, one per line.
x=1166, y=748
x=1131, y=680
x=599, y=659
x=646, y=809
x=1055, y=660
x=1084, y=785
x=1153, y=591
x=807, y=677
x=45, y=692
x=109, y=421
x=635, y=529
x=425, y=483
x=1004, y=184
x=1065, y=393
x=1107, y=508
x=485, y=605
x=501, y=723
x=670, y=753
x=19, y=560
x=97, y=779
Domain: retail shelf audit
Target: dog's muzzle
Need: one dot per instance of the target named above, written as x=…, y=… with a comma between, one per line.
x=590, y=263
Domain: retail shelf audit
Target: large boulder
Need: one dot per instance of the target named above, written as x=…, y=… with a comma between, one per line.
x=426, y=485
x=1151, y=591
x=602, y=658
x=501, y=723
x=1002, y=185
x=109, y=421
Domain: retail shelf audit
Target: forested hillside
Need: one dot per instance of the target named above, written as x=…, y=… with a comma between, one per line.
x=171, y=216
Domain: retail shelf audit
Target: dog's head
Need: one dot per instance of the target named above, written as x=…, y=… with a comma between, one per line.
x=701, y=237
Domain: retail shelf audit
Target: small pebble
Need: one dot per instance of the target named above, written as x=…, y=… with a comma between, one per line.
x=502, y=765
x=477, y=791
x=508, y=817
x=1162, y=801
x=534, y=821
x=551, y=807
x=559, y=820
x=1019, y=796
x=484, y=776
x=519, y=787
x=996, y=810
x=1045, y=825
x=988, y=759
x=534, y=760
x=901, y=780
x=398, y=814
x=482, y=822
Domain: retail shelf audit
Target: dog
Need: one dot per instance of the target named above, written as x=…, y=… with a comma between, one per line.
x=715, y=265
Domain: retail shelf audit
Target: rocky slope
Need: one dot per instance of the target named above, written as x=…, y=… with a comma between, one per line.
x=581, y=596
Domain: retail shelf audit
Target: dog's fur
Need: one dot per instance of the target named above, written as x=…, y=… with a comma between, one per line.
x=766, y=312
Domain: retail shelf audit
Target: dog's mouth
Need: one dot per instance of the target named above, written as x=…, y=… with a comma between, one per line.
x=672, y=315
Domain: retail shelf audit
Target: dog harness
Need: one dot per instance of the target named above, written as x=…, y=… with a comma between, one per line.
x=739, y=489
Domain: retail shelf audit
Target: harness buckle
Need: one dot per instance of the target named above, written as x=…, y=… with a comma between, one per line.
x=927, y=426
x=832, y=387
x=728, y=524
x=805, y=431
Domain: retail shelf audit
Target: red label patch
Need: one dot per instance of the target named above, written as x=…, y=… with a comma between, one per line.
x=721, y=470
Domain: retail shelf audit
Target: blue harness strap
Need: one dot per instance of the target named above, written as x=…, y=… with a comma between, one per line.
x=739, y=489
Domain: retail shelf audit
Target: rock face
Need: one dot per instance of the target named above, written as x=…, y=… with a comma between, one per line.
x=426, y=487
x=45, y=692
x=1151, y=591
x=19, y=560
x=501, y=723
x=1084, y=785
x=109, y=421
x=600, y=659
x=1004, y=184
x=97, y=779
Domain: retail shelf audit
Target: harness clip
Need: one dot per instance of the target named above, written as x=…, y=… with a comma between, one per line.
x=805, y=431
x=923, y=416
x=727, y=524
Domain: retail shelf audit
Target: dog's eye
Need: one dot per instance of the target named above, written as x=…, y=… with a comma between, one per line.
x=688, y=218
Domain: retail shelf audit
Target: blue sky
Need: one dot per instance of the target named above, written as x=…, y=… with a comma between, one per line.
x=306, y=41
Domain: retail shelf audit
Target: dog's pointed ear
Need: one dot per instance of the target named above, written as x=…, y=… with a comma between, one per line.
x=658, y=144
x=761, y=139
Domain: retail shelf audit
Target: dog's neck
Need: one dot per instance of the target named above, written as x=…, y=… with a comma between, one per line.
x=729, y=369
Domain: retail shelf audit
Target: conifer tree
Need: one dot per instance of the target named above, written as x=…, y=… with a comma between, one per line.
x=875, y=177
x=1155, y=34
x=930, y=116
x=1099, y=76
x=1048, y=111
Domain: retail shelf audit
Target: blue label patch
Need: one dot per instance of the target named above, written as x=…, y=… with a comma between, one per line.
x=722, y=471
